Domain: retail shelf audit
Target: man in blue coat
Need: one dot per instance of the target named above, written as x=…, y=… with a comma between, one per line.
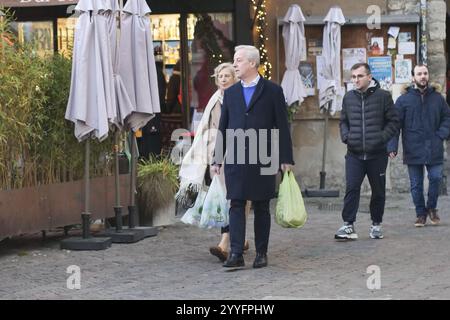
x=425, y=124
x=255, y=139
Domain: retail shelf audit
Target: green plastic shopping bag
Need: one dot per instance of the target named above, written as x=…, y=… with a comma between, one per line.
x=290, y=210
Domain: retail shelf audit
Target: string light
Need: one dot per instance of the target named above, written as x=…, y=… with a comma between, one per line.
x=261, y=26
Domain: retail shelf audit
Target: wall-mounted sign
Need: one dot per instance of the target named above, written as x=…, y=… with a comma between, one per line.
x=35, y=3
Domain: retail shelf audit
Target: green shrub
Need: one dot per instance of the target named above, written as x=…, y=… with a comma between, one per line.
x=37, y=144
x=157, y=183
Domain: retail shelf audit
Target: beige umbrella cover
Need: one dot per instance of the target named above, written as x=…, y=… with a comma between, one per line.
x=295, y=49
x=137, y=64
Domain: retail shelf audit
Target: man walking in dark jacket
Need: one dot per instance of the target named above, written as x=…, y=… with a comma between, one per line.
x=253, y=112
x=368, y=122
x=425, y=124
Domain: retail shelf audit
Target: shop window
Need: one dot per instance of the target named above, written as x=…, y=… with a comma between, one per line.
x=212, y=44
x=66, y=33
x=37, y=33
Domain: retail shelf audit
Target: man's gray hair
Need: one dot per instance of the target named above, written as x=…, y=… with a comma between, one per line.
x=251, y=52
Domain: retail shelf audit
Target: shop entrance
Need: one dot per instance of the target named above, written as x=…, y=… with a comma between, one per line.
x=187, y=48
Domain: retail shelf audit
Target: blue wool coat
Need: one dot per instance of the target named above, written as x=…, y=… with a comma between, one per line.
x=425, y=124
x=267, y=110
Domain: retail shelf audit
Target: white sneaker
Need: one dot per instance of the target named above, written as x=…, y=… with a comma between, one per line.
x=376, y=232
x=346, y=232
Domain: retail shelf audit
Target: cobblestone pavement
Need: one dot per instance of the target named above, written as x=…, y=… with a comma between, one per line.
x=304, y=263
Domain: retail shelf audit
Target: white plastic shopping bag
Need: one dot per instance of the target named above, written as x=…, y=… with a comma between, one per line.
x=215, y=207
x=193, y=215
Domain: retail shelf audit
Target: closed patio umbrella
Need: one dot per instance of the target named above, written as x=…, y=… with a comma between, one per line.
x=92, y=104
x=331, y=90
x=137, y=66
x=295, y=49
x=137, y=69
x=124, y=108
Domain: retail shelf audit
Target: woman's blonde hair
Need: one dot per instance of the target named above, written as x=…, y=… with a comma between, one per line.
x=222, y=66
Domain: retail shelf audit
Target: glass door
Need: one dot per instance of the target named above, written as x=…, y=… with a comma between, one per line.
x=210, y=44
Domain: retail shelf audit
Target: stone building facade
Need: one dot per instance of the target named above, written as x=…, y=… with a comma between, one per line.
x=308, y=127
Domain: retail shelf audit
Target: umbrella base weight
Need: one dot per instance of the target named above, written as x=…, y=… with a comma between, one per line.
x=91, y=243
x=124, y=236
x=148, y=231
x=321, y=193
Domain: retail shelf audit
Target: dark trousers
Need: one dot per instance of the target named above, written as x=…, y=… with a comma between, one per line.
x=355, y=171
x=416, y=173
x=261, y=225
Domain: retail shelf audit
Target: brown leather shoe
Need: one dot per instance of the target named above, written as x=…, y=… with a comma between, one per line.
x=434, y=218
x=219, y=253
x=421, y=221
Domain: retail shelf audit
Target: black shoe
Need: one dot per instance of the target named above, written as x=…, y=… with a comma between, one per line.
x=260, y=260
x=234, y=260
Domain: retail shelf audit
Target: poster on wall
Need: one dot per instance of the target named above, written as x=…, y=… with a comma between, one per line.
x=381, y=68
x=309, y=80
x=315, y=47
x=404, y=37
x=407, y=47
x=320, y=66
x=377, y=46
x=403, y=71
x=350, y=57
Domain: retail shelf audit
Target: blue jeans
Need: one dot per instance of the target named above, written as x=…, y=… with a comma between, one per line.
x=416, y=180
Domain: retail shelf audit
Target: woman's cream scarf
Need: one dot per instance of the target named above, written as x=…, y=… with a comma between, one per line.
x=197, y=159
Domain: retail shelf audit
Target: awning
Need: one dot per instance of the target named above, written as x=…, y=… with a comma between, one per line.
x=36, y=3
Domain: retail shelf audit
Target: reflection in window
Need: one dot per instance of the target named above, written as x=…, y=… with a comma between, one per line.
x=37, y=33
x=66, y=33
x=212, y=44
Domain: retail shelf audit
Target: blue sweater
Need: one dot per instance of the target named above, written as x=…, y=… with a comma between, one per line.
x=248, y=94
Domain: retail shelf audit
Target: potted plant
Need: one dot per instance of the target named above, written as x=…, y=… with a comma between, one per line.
x=157, y=183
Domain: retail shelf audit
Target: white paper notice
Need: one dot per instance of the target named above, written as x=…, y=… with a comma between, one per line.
x=392, y=44
x=403, y=71
x=393, y=31
x=407, y=47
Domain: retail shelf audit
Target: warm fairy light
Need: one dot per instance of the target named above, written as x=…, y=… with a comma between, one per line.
x=261, y=24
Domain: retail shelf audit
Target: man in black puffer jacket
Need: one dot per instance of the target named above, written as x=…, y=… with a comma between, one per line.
x=368, y=121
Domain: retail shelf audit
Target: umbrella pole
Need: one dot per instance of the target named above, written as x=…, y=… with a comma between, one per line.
x=132, y=206
x=143, y=232
x=322, y=192
x=85, y=216
x=86, y=242
x=117, y=207
x=120, y=234
x=323, y=173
